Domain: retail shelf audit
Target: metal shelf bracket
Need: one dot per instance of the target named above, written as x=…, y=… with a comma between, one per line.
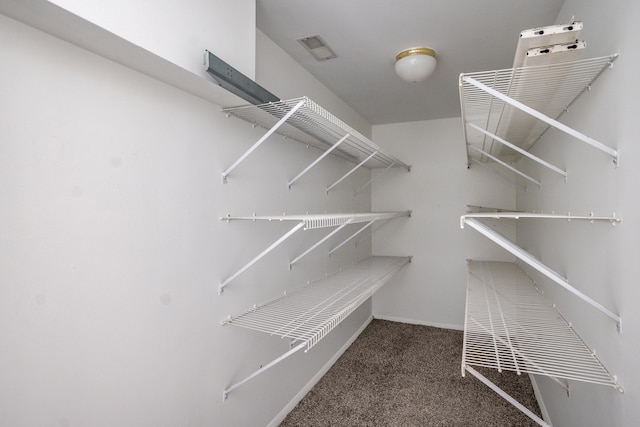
x=526, y=257
x=280, y=122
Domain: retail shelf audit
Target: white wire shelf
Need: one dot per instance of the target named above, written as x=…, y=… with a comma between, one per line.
x=313, y=221
x=309, y=222
x=500, y=214
x=505, y=112
x=308, y=314
x=509, y=325
x=311, y=312
x=303, y=120
x=473, y=221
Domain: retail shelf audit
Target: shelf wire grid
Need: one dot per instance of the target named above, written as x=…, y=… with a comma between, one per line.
x=509, y=325
x=550, y=89
x=311, y=312
x=314, y=126
x=314, y=221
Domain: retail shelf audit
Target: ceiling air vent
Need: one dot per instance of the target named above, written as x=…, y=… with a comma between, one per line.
x=317, y=47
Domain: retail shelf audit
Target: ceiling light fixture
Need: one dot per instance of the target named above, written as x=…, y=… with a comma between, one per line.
x=415, y=64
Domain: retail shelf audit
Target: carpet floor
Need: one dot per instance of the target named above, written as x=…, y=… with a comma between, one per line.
x=396, y=374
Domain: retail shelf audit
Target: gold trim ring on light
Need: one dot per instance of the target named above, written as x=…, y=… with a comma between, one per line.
x=416, y=51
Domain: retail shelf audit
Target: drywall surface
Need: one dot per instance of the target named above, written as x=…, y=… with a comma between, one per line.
x=111, y=247
x=179, y=31
x=438, y=190
x=598, y=259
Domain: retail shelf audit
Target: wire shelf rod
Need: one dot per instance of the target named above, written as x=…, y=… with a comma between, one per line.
x=506, y=165
x=350, y=237
x=315, y=162
x=613, y=219
x=259, y=256
x=308, y=222
x=324, y=239
x=313, y=221
x=502, y=321
x=525, y=256
x=539, y=358
x=549, y=89
x=378, y=175
x=507, y=397
x=355, y=168
x=306, y=313
x=226, y=173
x=539, y=346
x=225, y=393
x=516, y=183
x=552, y=122
x=314, y=126
x=519, y=150
x=310, y=313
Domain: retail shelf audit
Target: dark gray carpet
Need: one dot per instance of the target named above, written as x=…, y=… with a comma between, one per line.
x=396, y=374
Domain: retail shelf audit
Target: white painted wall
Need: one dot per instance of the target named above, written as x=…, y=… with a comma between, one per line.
x=598, y=259
x=438, y=189
x=179, y=30
x=111, y=250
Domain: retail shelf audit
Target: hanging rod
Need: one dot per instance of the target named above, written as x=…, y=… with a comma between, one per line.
x=526, y=257
x=517, y=215
x=304, y=121
x=520, y=104
x=309, y=313
x=306, y=222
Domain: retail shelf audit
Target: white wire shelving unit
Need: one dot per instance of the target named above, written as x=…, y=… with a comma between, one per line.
x=473, y=221
x=304, y=121
x=509, y=325
x=308, y=314
x=505, y=112
x=310, y=222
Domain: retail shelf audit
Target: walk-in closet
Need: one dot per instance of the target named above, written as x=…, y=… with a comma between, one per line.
x=267, y=212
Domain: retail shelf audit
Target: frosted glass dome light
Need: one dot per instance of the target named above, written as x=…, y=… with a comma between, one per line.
x=415, y=64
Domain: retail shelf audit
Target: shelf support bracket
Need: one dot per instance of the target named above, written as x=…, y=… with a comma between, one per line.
x=275, y=127
x=548, y=120
x=506, y=165
x=351, y=171
x=519, y=150
x=351, y=237
x=262, y=254
x=516, y=183
x=506, y=396
x=225, y=393
x=324, y=239
x=315, y=162
x=526, y=257
x=373, y=179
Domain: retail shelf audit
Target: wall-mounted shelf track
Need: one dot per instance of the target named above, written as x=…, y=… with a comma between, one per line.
x=308, y=314
x=309, y=222
x=509, y=325
x=303, y=120
x=505, y=112
x=473, y=221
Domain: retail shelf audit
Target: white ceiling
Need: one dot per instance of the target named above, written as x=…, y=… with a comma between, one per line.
x=467, y=35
